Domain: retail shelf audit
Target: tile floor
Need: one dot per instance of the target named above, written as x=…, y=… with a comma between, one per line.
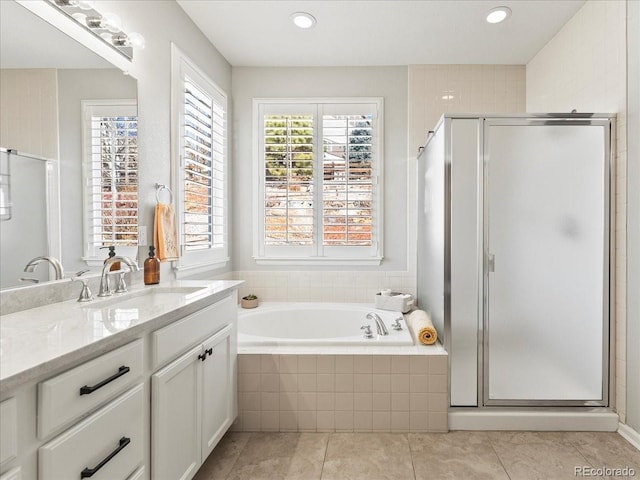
x=415, y=456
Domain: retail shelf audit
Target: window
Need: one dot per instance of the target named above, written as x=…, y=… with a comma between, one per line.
x=318, y=184
x=200, y=172
x=111, y=177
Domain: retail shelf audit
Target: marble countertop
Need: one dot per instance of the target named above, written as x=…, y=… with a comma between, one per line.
x=41, y=341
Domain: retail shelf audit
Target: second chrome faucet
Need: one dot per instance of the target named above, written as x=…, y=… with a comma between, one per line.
x=105, y=290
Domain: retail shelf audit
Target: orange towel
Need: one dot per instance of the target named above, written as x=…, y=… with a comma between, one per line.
x=422, y=327
x=165, y=233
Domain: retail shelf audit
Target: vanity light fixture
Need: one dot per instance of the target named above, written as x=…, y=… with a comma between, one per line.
x=303, y=20
x=106, y=26
x=498, y=14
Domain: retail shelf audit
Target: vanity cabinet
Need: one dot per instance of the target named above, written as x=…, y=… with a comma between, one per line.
x=151, y=407
x=194, y=396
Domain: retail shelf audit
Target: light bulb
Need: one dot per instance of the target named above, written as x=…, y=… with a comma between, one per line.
x=79, y=17
x=136, y=40
x=111, y=22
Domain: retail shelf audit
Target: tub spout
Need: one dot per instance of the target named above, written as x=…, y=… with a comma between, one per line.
x=382, y=328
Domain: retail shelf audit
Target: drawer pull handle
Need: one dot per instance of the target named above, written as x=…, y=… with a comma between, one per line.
x=203, y=356
x=89, y=472
x=86, y=390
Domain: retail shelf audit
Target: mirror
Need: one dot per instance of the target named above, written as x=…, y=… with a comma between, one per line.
x=45, y=77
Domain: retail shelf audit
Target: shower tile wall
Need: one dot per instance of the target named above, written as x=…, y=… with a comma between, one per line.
x=36, y=109
x=438, y=89
x=584, y=67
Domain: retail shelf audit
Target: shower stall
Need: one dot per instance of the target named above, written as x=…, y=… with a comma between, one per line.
x=514, y=256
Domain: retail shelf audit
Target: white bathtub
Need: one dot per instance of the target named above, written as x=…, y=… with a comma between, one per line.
x=316, y=324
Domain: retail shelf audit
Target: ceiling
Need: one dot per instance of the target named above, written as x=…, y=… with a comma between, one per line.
x=27, y=41
x=378, y=32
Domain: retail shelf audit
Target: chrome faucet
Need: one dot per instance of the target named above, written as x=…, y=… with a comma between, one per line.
x=382, y=328
x=105, y=290
x=55, y=263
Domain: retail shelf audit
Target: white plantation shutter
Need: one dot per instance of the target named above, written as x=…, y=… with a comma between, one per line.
x=288, y=171
x=348, y=182
x=110, y=175
x=200, y=166
x=204, y=147
x=318, y=207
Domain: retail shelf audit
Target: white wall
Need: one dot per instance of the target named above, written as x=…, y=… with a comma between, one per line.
x=75, y=85
x=633, y=212
x=584, y=67
x=387, y=82
x=162, y=23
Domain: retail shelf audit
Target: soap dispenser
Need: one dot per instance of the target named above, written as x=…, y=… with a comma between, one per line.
x=152, y=268
x=112, y=253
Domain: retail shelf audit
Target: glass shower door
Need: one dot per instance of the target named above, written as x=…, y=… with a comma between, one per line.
x=546, y=268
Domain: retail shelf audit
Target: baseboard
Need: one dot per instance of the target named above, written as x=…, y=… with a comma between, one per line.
x=595, y=419
x=629, y=434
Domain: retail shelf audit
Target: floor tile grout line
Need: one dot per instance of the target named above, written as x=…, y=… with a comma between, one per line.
x=493, y=447
x=324, y=458
x=576, y=447
x=413, y=467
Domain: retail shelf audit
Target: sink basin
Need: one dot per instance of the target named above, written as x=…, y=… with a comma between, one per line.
x=145, y=298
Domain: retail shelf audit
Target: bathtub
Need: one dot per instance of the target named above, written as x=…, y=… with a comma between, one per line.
x=316, y=324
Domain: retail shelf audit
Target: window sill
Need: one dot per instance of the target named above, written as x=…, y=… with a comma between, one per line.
x=334, y=261
x=184, y=271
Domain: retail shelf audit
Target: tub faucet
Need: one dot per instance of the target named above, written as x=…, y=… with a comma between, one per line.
x=55, y=263
x=382, y=328
x=105, y=290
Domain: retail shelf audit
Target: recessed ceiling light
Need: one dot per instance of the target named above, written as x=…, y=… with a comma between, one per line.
x=498, y=14
x=303, y=20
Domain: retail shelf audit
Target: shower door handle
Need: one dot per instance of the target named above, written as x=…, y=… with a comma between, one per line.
x=491, y=263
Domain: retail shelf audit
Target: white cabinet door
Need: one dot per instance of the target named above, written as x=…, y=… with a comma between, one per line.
x=175, y=418
x=217, y=393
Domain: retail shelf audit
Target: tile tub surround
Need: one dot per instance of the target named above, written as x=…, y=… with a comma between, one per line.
x=342, y=393
x=323, y=286
x=415, y=456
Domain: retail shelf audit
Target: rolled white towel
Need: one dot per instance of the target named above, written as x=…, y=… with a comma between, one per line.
x=422, y=327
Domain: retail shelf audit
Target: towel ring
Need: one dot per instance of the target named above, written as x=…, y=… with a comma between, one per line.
x=159, y=188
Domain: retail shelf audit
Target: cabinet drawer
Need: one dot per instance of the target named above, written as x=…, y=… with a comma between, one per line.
x=171, y=341
x=8, y=430
x=109, y=442
x=74, y=393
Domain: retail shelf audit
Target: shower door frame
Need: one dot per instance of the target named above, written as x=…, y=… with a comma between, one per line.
x=608, y=123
